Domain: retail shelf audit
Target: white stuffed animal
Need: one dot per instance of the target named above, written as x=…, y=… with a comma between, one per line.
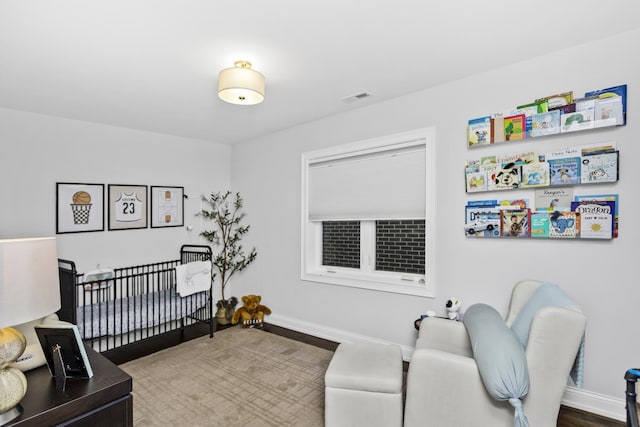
x=453, y=308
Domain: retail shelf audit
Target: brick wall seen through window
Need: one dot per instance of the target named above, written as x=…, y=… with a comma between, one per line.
x=341, y=244
x=400, y=246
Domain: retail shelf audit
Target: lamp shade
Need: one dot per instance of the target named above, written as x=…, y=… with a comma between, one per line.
x=29, y=283
x=241, y=84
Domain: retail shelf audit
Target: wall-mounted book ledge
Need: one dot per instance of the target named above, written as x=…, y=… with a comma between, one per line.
x=551, y=115
x=583, y=217
x=586, y=164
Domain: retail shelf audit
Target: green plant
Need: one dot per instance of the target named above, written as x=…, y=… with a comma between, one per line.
x=225, y=211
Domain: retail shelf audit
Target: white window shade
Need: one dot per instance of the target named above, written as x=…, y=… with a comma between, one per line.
x=379, y=185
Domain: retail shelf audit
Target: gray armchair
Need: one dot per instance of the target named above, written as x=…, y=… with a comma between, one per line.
x=444, y=387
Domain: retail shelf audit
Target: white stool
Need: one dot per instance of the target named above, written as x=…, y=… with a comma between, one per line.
x=363, y=386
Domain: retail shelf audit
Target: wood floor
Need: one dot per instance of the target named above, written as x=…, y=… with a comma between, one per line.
x=568, y=417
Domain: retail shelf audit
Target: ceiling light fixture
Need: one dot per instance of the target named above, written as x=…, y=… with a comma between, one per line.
x=241, y=84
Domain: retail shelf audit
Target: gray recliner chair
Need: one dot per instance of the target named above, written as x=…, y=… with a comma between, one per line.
x=444, y=387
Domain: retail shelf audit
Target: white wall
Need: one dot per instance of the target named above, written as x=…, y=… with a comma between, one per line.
x=598, y=274
x=38, y=151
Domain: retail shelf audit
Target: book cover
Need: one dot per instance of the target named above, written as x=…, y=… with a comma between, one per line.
x=609, y=112
x=529, y=110
x=513, y=204
x=564, y=225
x=580, y=120
x=515, y=127
x=603, y=197
x=599, y=168
x=545, y=123
x=515, y=223
x=540, y=106
x=586, y=103
x=611, y=92
x=539, y=224
x=597, y=218
x=476, y=181
x=507, y=177
x=565, y=109
x=552, y=199
x=479, y=131
x=497, y=128
x=535, y=175
x=477, y=203
x=485, y=218
x=564, y=171
x=559, y=100
x=519, y=158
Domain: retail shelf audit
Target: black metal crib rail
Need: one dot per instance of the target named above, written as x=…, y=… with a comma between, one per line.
x=143, y=291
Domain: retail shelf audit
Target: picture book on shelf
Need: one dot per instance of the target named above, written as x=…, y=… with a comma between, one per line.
x=515, y=223
x=565, y=109
x=507, y=177
x=579, y=120
x=564, y=171
x=612, y=92
x=535, y=175
x=552, y=199
x=485, y=218
x=609, y=112
x=586, y=103
x=515, y=127
x=603, y=197
x=529, y=111
x=539, y=224
x=545, y=123
x=479, y=131
x=563, y=225
x=599, y=168
x=559, y=100
x=476, y=181
x=597, y=218
x=497, y=128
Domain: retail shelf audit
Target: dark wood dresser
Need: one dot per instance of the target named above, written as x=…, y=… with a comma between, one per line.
x=105, y=400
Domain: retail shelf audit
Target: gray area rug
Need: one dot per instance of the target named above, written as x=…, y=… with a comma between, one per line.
x=240, y=377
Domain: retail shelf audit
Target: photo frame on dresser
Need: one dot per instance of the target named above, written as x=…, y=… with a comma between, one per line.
x=64, y=351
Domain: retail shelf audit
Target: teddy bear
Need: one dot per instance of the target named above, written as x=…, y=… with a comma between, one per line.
x=252, y=312
x=453, y=308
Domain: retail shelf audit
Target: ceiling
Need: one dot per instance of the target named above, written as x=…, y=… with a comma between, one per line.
x=152, y=64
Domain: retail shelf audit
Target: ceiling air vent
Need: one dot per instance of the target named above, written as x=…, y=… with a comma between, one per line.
x=356, y=97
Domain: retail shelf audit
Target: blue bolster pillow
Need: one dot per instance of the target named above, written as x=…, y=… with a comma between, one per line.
x=500, y=357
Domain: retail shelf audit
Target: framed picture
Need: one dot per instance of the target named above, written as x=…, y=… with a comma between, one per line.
x=64, y=350
x=127, y=207
x=79, y=207
x=167, y=207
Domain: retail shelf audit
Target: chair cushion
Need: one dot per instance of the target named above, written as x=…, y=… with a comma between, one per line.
x=366, y=367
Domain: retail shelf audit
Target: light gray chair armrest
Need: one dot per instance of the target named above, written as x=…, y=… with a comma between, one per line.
x=444, y=334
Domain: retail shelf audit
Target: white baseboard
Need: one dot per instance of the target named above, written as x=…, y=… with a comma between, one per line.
x=606, y=406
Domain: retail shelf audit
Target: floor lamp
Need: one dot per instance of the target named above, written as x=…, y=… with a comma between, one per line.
x=29, y=290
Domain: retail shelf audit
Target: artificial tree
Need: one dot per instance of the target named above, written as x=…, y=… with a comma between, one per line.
x=225, y=210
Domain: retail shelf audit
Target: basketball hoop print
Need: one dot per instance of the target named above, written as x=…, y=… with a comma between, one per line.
x=81, y=207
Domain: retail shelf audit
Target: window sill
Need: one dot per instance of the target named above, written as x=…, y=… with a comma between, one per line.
x=380, y=284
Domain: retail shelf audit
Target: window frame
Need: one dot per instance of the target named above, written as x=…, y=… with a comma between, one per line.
x=311, y=231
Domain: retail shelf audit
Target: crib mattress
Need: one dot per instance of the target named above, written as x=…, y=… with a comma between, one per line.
x=124, y=315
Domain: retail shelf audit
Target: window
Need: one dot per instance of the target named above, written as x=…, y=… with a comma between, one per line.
x=367, y=215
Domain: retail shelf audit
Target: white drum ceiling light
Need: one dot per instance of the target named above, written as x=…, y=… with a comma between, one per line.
x=241, y=84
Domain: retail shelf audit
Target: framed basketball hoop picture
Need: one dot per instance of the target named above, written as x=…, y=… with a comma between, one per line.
x=167, y=206
x=127, y=207
x=79, y=207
